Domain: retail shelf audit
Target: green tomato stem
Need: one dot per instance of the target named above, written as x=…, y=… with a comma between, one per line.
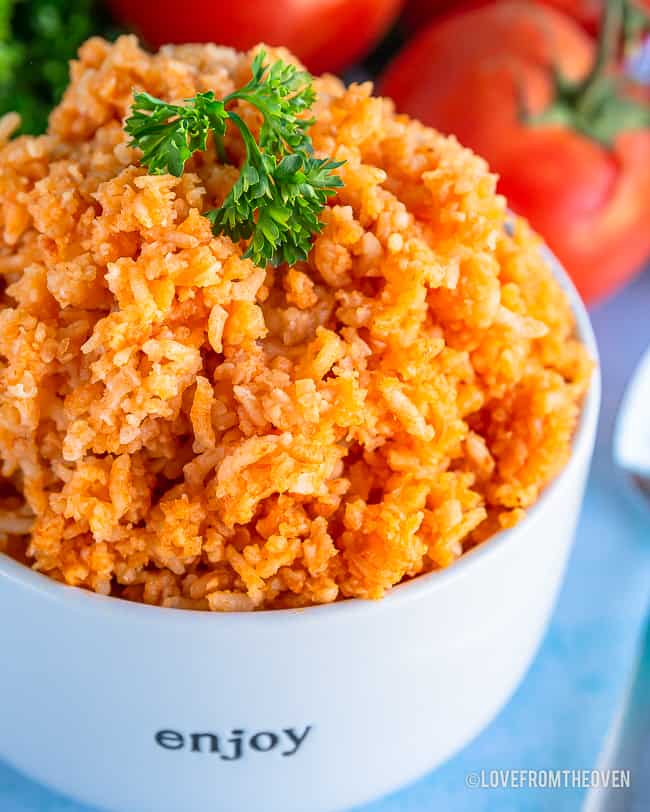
x=609, y=42
x=595, y=106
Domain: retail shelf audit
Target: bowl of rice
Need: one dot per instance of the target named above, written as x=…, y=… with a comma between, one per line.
x=274, y=538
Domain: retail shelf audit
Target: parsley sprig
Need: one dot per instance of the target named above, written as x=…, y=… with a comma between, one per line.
x=169, y=134
x=281, y=189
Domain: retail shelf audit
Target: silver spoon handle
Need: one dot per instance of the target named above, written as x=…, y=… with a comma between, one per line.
x=628, y=744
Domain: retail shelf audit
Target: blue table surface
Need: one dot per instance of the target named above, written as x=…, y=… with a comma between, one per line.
x=561, y=713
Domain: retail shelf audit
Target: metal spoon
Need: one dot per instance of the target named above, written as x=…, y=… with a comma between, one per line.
x=628, y=743
x=632, y=431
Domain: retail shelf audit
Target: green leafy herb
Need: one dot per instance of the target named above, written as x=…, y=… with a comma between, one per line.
x=38, y=38
x=282, y=188
x=169, y=134
x=281, y=93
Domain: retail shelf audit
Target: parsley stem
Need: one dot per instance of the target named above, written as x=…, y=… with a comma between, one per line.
x=252, y=150
x=252, y=98
x=220, y=148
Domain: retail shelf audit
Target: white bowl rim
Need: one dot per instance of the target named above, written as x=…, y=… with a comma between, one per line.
x=90, y=602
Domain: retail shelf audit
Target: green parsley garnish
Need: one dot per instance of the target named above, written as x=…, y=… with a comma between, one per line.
x=282, y=188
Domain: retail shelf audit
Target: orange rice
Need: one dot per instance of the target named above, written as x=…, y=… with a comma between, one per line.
x=183, y=428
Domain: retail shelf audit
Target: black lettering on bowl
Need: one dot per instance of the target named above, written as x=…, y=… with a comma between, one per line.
x=235, y=745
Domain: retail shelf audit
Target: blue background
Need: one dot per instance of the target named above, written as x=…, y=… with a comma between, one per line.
x=560, y=715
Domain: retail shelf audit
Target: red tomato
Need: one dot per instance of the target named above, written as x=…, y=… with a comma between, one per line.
x=419, y=12
x=587, y=12
x=467, y=73
x=326, y=35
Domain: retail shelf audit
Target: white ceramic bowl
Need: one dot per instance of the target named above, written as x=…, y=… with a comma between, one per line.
x=123, y=705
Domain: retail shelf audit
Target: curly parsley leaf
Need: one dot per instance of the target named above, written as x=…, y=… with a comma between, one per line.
x=281, y=93
x=169, y=134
